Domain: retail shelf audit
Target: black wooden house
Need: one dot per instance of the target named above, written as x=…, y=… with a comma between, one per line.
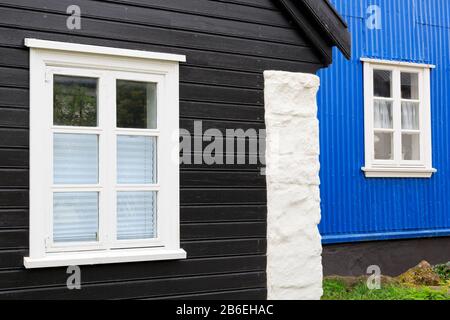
x=227, y=45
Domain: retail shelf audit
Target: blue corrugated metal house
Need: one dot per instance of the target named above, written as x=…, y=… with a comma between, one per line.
x=385, y=132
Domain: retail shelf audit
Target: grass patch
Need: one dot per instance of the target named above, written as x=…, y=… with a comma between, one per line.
x=443, y=271
x=335, y=289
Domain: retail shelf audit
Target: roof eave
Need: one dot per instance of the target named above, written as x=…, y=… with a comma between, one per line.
x=322, y=24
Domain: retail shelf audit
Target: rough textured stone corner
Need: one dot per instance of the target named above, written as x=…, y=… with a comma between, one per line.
x=294, y=265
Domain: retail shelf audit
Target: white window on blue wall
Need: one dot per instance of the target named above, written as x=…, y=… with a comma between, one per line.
x=104, y=187
x=397, y=119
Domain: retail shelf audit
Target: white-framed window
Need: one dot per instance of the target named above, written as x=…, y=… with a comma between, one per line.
x=397, y=121
x=104, y=185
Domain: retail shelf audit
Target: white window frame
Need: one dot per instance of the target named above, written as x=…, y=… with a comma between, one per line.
x=398, y=168
x=107, y=64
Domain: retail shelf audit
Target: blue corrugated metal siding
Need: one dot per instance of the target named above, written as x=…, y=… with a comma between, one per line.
x=355, y=208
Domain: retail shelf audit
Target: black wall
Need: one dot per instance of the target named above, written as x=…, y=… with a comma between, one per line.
x=228, y=45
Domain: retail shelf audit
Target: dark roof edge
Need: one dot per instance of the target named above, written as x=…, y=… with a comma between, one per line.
x=322, y=24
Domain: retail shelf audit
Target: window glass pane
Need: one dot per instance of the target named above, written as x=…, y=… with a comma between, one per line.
x=382, y=114
x=136, y=215
x=75, y=216
x=136, y=104
x=410, y=85
x=75, y=158
x=136, y=160
x=410, y=115
x=411, y=146
x=382, y=83
x=383, y=146
x=74, y=101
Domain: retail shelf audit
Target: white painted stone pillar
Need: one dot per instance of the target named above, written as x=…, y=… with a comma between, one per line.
x=294, y=263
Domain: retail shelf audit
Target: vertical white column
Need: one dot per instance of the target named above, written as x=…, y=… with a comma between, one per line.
x=294, y=263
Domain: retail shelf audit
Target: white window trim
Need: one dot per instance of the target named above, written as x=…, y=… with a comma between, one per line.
x=398, y=168
x=48, y=57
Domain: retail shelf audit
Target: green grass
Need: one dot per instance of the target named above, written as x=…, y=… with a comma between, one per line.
x=443, y=270
x=337, y=290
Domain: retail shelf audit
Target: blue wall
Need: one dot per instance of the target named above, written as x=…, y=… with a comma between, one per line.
x=355, y=208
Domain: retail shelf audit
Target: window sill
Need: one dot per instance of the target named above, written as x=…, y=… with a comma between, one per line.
x=104, y=257
x=398, y=172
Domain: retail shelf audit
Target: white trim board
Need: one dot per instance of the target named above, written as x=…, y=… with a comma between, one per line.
x=398, y=172
x=110, y=256
x=83, y=48
x=399, y=63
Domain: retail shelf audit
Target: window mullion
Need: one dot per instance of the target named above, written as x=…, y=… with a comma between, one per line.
x=368, y=114
x=107, y=160
x=397, y=117
x=424, y=114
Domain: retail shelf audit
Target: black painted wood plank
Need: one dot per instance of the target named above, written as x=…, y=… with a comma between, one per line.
x=11, y=36
x=14, y=97
x=145, y=34
x=12, y=258
x=13, y=137
x=14, y=77
x=246, y=294
x=14, y=218
x=268, y=4
x=14, y=118
x=235, y=11
x=145, y=288
x=206, y=93
x=222, y=125
x=200, y=75
x=14, y=158
x=210, y=110
x=225, y=166
x=16, y=279
x=223, y=213
x=13, y=178
x=13, y=57
x=226, y=247
x=17, y=238
x=208, y=179
x=13, y=199
x=162, y=18
x=231, y=230
x=223, y=196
